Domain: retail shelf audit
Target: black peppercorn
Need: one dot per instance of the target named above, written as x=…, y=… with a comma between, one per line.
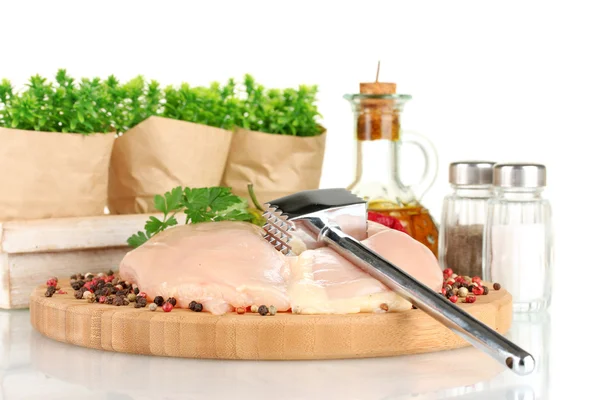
x=192, y=304
x=172, y=301
x=76, y=285
x=159, y=301
x=198, y=307
x=110, y=272
x=263, y=310
x=122, y=292
x=470, y=287
x=74, y=277
x=79, y=294
x=109, y=300
x=141, y=300
x=497, y=286
x=485, y=290
x=449, y=293
x=448, y=288
x=136, y=291
x=50, y=291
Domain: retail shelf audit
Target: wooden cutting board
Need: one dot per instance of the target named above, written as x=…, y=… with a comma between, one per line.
x=284, y=336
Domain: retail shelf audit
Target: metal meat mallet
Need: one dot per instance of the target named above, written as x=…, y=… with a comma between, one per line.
x=328, y=215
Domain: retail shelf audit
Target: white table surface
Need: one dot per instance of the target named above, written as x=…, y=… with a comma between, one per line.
x=35, y=367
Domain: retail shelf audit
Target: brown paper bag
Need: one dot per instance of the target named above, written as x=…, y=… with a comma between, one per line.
x=52, y=175
x=277, y=165
x=159, y=154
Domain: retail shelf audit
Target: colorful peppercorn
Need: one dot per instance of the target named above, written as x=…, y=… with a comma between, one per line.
x=448, y=271
x=171, y=300
x=131, y=297
x=92, y=298
x=478, y=291
x=497, y=286
x=444, y=291
x=143, y=294
x=384, y=306
x=152, y=306
x=50, y=291
x=167, y=307
x=453, y=298
x=470, y=299
x=463, y=292
x=485, y=290
x=272, y=310
x=476, y=279
x=191, y=305
x=254, y=308
x=240, y=310
x=198, y=307
x=159, y=301
x=102, y=299
x=263, y=310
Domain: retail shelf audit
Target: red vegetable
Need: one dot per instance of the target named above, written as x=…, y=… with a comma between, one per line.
x=386, y=220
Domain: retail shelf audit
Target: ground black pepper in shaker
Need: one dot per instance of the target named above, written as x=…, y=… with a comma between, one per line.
x=463, y=217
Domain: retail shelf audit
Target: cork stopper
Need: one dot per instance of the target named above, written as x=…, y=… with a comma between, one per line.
x=377, y=118
x=377, y=87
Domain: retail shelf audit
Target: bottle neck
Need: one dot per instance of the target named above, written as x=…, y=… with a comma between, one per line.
x=519, y=194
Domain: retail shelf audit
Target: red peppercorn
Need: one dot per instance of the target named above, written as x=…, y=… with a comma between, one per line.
x=450, y=281
x=470, y=299
x=51, y=282
x=476, y=279
x=453, y=298
x=459, y=279
x=102, y=299
x=444, y=291
x=448, y=271
x=167, y=307
x=497, y=286
x=143, y=294
x=478, y=291
x=240, y=310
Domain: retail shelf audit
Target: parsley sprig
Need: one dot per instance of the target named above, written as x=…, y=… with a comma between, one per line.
x=199, y=205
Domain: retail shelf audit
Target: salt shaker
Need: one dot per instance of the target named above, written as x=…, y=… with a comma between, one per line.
x=518, y=245
x=463, y=217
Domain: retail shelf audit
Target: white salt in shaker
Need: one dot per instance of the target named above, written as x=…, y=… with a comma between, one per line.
x=518, y=240
x=464, y=215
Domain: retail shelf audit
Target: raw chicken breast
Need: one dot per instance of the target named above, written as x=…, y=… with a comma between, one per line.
x=219, y=264
x=323, y=282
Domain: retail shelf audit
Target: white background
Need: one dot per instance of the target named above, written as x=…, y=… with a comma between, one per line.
x=505, y=81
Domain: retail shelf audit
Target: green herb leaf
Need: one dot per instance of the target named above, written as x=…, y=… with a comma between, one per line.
x=199, y=205
x=137, y=239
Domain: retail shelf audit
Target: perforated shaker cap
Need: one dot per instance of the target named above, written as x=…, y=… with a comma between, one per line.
x=515, y=175
x=471, y=173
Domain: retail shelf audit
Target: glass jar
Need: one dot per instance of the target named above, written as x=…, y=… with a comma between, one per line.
x=463, y=217
x=379, y=142
x=518, y=245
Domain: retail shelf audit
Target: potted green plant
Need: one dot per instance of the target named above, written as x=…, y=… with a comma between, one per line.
x=183, y=141
x=55, y=144
x=278, y=144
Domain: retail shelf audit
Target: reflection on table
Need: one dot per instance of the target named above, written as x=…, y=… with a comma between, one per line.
x=33, y=366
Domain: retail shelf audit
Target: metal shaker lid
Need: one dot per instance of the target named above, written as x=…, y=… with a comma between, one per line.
x=525, y=175
x=471, y=172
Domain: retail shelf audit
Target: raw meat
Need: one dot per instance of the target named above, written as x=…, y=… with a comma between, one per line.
x=225, y=265
x=219, y=264
x=323, y=282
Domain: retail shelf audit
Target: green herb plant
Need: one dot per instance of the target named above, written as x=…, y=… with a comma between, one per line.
x=199, y=205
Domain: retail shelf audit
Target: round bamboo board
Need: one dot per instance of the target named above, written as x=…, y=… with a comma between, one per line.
x=284, y=336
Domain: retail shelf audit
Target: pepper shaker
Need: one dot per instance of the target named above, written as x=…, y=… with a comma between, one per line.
x=463, y=217
x=518, y=241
